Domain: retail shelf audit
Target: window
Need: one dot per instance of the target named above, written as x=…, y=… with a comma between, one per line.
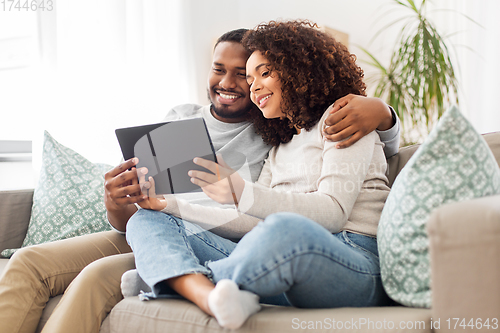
x=87, y=68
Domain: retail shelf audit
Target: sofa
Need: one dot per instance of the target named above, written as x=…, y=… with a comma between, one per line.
x=464, y=269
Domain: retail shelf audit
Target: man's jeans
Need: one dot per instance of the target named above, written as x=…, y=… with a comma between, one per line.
x=286, y=259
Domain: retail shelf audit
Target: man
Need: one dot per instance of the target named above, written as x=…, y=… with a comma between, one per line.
x=88, y=269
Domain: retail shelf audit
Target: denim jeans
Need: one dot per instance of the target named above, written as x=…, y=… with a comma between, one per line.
x=286, y=259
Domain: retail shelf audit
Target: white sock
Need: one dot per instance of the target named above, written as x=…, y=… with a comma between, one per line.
x=230, y=305
x=132, y=284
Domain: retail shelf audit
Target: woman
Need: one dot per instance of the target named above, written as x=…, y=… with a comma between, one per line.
x=295, y=72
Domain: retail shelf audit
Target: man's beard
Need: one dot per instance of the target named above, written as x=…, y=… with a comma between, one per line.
x=223, y=113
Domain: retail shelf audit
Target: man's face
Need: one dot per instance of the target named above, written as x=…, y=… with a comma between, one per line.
x=227, y=86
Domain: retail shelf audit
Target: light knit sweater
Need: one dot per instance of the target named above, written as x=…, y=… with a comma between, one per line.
x=341, y=189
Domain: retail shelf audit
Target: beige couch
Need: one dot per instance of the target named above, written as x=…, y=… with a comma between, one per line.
x=465, y=252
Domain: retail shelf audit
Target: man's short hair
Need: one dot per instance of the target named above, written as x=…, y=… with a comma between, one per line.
x=234, y=36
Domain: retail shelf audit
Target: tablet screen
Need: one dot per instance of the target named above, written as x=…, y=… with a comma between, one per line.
x=167, y=150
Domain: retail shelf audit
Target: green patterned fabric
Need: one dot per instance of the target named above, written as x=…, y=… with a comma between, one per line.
x=68, y=200
x=453, y=164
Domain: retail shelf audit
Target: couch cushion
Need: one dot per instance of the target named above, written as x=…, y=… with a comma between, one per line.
x=68, y=200
x=398, y=161
x=174, y=315
x=493, y=141
x=15, y=210
x=453, y=164
x=464, y=260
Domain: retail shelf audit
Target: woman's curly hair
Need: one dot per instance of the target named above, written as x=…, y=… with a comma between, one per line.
x=314, y=70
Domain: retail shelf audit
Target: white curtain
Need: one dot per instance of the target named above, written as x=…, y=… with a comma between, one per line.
x=482, y=67
x=107, y=64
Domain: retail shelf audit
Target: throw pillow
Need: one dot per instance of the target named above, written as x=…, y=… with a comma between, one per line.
x=453, y=164
x=68, y=200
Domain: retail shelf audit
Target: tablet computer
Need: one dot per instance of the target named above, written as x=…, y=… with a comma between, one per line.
x=167, y=150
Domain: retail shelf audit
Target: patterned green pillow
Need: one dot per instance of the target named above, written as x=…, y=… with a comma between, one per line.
x=68, y=200
x=453, y=164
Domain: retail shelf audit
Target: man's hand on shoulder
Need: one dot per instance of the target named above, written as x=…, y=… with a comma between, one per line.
x=355, y=116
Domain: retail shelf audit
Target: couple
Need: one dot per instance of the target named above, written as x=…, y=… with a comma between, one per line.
x=294, y=72
x=88, y=269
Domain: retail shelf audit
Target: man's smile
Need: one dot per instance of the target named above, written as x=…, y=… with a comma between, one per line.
x=225, y=97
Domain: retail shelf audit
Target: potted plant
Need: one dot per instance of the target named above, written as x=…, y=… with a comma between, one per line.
x=420, y=82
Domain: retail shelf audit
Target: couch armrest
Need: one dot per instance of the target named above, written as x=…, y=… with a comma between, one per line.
x=15, y=212
x=464, y=252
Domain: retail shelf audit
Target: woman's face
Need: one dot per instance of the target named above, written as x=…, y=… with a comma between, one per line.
x=265, y=86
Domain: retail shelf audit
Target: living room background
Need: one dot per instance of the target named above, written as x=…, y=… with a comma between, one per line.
x=86, y=68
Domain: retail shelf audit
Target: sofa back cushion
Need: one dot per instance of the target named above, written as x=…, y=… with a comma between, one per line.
x=15, y=210
x=398, y=161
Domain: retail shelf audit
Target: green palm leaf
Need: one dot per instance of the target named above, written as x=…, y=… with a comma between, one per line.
x=420, y=81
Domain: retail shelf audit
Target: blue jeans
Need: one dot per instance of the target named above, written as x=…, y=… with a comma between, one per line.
x=287, y=260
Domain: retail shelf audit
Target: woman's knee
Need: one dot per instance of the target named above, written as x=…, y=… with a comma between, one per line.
x=138, y=222
x=146, y=223
x=144, y=217
x=290, y=224
x=135, y=220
